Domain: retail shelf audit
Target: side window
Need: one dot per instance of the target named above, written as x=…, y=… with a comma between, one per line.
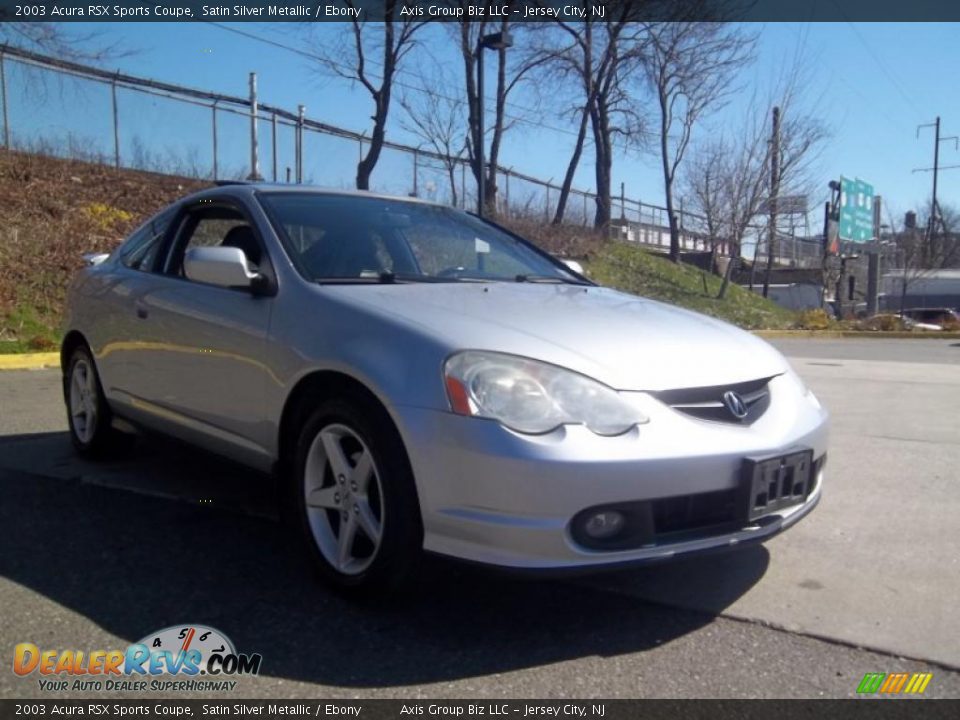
x=140, y=250
x=215, y=227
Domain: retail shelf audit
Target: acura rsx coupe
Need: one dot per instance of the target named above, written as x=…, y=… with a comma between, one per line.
x=424, y=380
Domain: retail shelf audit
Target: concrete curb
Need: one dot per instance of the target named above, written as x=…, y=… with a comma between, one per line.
x=878, y=334
x=29, y=361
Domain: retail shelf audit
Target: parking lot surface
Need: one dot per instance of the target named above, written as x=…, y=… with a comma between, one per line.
x=96, y=556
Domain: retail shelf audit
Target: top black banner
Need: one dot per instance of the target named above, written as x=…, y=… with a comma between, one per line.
x=474, y=10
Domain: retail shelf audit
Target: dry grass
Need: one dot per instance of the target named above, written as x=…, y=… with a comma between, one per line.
x=54, y=210
x=51, y=212
x=563, y=240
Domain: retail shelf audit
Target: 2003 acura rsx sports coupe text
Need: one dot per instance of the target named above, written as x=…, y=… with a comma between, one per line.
x=422, y=379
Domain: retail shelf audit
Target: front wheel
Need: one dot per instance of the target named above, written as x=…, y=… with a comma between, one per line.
x=88, y=414
x=355, y=497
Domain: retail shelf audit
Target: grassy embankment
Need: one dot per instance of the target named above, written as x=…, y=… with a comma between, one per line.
x=53, y=210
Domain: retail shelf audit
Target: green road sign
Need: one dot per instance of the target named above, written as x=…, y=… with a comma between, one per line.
x=856, y=210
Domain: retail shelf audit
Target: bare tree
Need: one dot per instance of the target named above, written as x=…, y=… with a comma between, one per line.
x=592, y=56
x=729, y=178
x=705, y=183
x=912, y=253
x=512, y=68
x=390, y=41
x=727, y=183
x=63, y=40
x=941, y=249
x=438, y=120
x=924, y=251
x=689, y=67
x=917, y=257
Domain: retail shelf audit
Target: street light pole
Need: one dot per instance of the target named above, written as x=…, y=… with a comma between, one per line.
x=482, y=182
x=493, y=41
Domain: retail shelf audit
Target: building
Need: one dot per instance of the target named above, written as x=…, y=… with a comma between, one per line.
x=920, y=288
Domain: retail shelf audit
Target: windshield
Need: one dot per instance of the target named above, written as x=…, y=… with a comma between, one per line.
x=342, y=238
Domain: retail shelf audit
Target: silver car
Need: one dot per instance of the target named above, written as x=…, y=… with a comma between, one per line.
x=424, y=380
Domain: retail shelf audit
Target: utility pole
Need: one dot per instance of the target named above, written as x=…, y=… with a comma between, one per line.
x=873, y=259
x=928, y=246
x=774, y=192
x=494, y=41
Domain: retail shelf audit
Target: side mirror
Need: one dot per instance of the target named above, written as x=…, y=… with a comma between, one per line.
x=93, y=259
x=574, y=265
x=222, y=266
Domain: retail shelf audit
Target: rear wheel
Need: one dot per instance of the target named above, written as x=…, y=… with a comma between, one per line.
x=354, y=497
x=88, y=414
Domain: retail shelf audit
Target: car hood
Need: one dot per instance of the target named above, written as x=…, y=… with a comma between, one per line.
x=624, y=341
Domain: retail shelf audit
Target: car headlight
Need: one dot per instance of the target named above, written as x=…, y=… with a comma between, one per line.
x=804, y=390
x=533, y=397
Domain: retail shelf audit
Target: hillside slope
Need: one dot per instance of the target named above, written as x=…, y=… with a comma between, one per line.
x=53, y=210
x=636, y=271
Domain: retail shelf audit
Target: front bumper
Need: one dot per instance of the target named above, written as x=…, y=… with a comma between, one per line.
x=497, y=497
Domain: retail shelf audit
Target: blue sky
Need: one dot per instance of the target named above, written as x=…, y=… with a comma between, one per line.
x=872, y=84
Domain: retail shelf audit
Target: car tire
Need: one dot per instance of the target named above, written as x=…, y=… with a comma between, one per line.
x=88, y=413
x=354, y=498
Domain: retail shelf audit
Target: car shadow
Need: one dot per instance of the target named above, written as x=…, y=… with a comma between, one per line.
x=134, y=562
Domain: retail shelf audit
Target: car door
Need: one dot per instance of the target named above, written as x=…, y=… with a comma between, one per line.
x=200, y=361
x=110, y=322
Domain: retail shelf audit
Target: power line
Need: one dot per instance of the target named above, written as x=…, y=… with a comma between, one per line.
x=876, y=58
x=406, y=85
x=882, y=65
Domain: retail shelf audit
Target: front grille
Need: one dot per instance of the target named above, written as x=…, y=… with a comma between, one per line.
x=707, y=403
x=693, y=512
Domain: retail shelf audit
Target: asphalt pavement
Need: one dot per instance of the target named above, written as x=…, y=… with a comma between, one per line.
x=95, y=556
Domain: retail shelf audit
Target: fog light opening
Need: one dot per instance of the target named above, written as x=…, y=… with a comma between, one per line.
x=604, y=525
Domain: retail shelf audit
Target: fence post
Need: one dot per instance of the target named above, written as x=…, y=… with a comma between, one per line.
x=213, y=109
x=586, y=212
x=273, y=150
x=546, y=205
x=416, y=153
x=301, y=109
x=116, y=123
x=463, y=184
x=3, y=97
x=506, y=192
x=254, y=140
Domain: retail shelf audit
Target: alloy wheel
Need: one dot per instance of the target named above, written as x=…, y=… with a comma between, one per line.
x=83, y=400
x=344, y=499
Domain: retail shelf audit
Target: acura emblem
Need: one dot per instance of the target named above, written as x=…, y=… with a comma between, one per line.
x=735, y=404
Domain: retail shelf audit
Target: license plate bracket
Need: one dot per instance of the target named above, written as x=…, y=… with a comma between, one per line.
x=775, y=482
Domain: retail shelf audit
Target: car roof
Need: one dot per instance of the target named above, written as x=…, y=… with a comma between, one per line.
x=246, y=189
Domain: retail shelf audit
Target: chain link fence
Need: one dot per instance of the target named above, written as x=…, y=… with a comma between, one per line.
x=66, y=109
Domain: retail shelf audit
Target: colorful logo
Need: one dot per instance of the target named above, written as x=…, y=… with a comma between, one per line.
x=184, y=651
x=894, y=683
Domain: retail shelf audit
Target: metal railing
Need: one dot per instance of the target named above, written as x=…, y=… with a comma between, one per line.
x=147, y=124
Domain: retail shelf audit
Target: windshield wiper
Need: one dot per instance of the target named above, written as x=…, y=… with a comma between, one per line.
x=548, y=279
x=382, y=278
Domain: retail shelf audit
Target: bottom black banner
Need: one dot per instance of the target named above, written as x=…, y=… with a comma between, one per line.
x=873, y=709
